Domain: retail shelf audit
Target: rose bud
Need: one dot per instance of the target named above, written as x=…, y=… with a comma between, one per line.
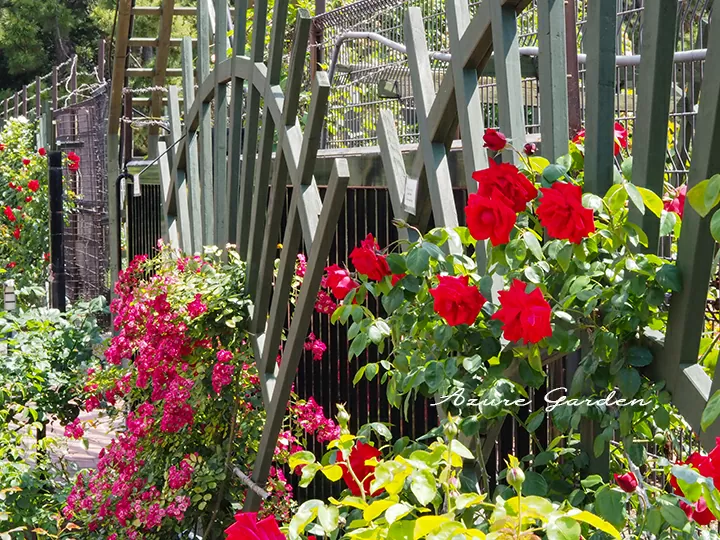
x=627, y=482
x=530, y=149
x=515, y=478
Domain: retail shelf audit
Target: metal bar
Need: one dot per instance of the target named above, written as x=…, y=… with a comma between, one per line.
x=553, y=80
x=57, y=223
x=650, y=133
x=600, y=95
x=191, y=150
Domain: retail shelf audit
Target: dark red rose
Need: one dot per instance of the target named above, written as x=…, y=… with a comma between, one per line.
x=562, y=213
x=42, y=152
x=709, y=467
x=360, y=453
x=456, y=301
x=490, y=217
x=339, y=281
x=247, y=527
x=2, y=147
x=11, y=265
x=494, y=140
x=26, y=161
x=677, y=203
x=10, y=214
x=621, y=137
x=698, y=512
x=396, y=278
x=627, y=482
x=16, y=233
x=530, y=149
x=28, y=199
x=507, y=180
x=368, y=260
x=33, y=185
x=524, y=316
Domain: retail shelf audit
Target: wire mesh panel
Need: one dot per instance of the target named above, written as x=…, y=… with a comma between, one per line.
x=144, y=220
x=81, y=129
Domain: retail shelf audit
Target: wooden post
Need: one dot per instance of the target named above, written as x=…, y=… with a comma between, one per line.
x=73, y=82
x=54, y=88
x=57, y=255
x=573, y=74
x=17, y=104
x=24, y=100
x=38, y=103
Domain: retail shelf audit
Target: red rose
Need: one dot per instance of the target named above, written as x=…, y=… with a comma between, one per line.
x=360, y=453
x=698, y=512
x=490, y=217
x=28, y=199
x=709, y=467
x=26, y=161
x=42, y=152
x=368, y=260
x=677, y=203
x=10, y=214
x=339, y=281
x=46, y=256
x=509, y=181
x=11, y=265
x=621, y=137
x=33, y=185
x=579, y=138
x=72, y=156
x=524, y=316
x=530, y=149
x=494, y=140
x=2, y=147
x=11, y=185
x=247, y=527
x=562, y=213
x=16, y=233
x=627, y=482
x=456, y=301
x=396, y=278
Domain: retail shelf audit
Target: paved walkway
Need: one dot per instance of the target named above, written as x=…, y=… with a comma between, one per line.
x=98, y=431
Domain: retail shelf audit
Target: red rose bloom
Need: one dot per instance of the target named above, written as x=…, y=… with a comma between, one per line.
x=490, y=217
x=562, y=213
x=677, y=203
x=360, y=453
x=456, y=301
x=507, y=180
x=698, y=512
x=339, y=281
x=579, y=138
x=621, y=137
x=10, y=214
x=33, y=185
x=16, y=233
x=530, y=149
x=494, y=140
x=42, y=152
x=396, y=278
x=524, y=316
x=247, y=527
x=368, y=260
x=709, y=467
x=627, y=482
x=2, y=147
x=28, y=199
x=74, y=159
x=11, y=265
x=26, y=161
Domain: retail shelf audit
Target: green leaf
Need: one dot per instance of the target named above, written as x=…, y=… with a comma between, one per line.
x=358, y=345
x=553, y=173
x=426, y=525
x=538, y=164
x=711, y=411
x=472, y=363
x=594, y=521
x=328, y=516
x=535, y=484
x=639, y=356
x=626, y=168
x=533, y=245
x=308, y=473
x=396, y=262
x=565, y=161
x=628, y=381
x=715, y=226
x=423, y=487
x=652, y=201
x=712, y=193
x=564, y=256
x=610, y=505
x=674, y=515
x=563, y=528
x=418, y=260
x=669, y=277
x=667, y=223
x=535, y=420
x=635, y=197
x=699, y=198
x=301, y=458
x=591, y=481
x=397, y=511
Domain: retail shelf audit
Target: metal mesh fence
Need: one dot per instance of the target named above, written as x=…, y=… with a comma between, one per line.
x=81, y=128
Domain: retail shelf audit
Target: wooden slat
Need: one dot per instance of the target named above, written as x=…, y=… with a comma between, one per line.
x=437, y=170
x=191, y=144
x=170, y=228
x=205, y=127
x=154, y=11
x=118, y=69
x=509, y=78
x=237, y=98
x=153, y=42
x=178, y=175
x=162, y=54
x=220, y=145
x=600, y=97
x=332, y=206
x=553, y=78
x=653, y=91
x=393, y=166
x=38, y=102
x=149, y=73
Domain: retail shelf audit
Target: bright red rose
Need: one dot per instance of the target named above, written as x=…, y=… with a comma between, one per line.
x=490, y=217
x=562, y=213
x=10, y=214
x=621, y=137
x=33, y=185
x=494, y=140
x=524, y=316
x=530, y=149
x=579, y=138
x=16, y=233
x=42, y=152
x=368, y=260
x=364, y=473
x=506, y=179
x=11, y=265
x=396, y=278
x=709, y=467
x=26, y=161
x=28, y=199
x=677, y=203
x=339, y=281
x=74, y=159
x=247, y=527
x=456, y=301
x=2, y=147
x=627, y=482
x=698, y=512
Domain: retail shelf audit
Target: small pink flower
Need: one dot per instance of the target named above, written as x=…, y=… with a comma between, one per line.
x=196, y=307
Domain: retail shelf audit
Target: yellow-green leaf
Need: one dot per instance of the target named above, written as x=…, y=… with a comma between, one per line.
x=427, y=524
x=652, y=201
x=594, y=521
x=377, y=508
x=354, y=502
x=332, y=472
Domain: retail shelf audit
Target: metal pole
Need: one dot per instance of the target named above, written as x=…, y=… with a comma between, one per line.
x=57, y=255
